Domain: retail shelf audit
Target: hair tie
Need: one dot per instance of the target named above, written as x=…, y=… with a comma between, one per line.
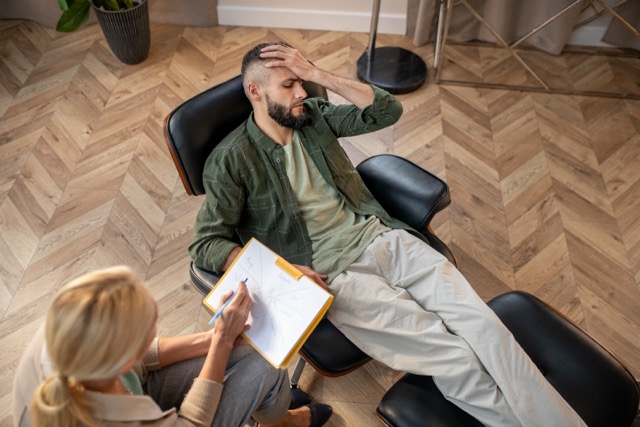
x=75, y=385
x=61, y=377
x=71, y=382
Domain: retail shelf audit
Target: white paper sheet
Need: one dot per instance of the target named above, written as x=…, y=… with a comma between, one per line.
x=283, y=308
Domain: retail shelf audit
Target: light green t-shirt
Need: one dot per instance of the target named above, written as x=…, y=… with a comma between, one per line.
x=338, y=235
x=132, y=383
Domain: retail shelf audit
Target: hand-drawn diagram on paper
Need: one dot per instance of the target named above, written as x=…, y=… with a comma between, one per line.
x=283, y=307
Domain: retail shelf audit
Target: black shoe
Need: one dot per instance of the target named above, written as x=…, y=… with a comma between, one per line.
x=299, y=398
x=320, y=414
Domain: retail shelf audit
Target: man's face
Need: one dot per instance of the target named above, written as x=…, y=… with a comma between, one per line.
x=289, y=116
x=283, y=96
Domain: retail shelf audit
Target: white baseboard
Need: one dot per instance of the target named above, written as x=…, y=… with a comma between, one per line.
x=589, y=35
x=249, y=16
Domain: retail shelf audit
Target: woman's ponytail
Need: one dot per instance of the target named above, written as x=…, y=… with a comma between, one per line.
x=60, y=401
x=89, y=337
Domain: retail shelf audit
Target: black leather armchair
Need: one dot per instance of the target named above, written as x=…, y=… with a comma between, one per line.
x=590, y=379
x=600, y=389
x=408, y=192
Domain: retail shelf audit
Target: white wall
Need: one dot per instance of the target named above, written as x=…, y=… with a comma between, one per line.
x=336, y=15
x=591, y=34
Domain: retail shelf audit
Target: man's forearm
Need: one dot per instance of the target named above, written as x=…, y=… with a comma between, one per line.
x=208, y=250
x=232, y=256
x=359, y=94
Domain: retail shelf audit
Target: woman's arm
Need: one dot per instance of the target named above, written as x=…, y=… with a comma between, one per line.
x=201, y=402
x=226, y=331
x=177, y=349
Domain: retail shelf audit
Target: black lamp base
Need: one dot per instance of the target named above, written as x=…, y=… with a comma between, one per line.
x=393, y=69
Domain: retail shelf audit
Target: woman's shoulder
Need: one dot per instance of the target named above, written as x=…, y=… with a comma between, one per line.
x=28, y=377
x=127, y=410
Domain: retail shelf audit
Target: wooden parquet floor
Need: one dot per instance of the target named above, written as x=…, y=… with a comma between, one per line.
x=545, y=188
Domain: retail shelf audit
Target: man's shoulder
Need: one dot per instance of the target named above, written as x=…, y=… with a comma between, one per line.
x=236, y=141
x=237, y=137
x=231, y=152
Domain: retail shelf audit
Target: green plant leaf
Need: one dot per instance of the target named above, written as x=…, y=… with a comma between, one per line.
x=128, y=4
x=111, y=5
x=67, y=4
x=72, y=18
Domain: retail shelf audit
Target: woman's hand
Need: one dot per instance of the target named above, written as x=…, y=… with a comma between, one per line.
x=233, y=320
x=226, y=332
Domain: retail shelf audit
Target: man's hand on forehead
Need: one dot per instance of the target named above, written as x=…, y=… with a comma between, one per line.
x=290, y=58
x=359, y=94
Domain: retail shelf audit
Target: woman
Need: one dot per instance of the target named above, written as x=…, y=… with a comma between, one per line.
x=97, y=361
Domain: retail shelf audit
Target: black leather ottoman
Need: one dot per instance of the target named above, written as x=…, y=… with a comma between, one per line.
x=590, y=379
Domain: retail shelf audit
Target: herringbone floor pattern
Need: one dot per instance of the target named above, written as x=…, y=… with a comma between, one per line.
x=545, y=188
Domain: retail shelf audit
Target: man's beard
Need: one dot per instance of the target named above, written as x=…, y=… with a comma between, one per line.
x=282, y=115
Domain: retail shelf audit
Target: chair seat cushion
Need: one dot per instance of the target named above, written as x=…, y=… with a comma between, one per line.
x=589, y=378
x=416, y=401
x=330, y=352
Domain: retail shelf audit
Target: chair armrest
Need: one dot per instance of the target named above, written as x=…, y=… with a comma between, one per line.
x=405, y=190
x=203, y=280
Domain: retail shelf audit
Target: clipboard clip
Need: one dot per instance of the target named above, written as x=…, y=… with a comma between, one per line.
x=288, y=268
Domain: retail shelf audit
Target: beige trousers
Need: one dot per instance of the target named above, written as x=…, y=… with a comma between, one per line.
x=407, y=306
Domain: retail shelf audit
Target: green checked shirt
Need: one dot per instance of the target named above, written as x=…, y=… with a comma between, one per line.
x=248, y=193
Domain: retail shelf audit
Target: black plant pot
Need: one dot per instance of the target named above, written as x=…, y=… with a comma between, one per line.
x=127, y=31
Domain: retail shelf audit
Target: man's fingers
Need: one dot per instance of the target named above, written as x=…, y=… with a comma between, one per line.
x=275, y=53
x=276, y=48
x=286, y=55
x=314, y=275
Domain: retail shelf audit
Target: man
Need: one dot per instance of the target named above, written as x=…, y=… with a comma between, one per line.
x=283, y=178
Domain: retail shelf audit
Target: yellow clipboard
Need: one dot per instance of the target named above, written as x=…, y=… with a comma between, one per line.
x=287, y=304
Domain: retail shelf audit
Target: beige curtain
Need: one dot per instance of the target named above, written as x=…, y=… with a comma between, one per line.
x=617, y=34
x=199, y=13
x=514, y=19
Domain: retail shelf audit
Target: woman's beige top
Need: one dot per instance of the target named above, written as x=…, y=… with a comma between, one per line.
x=198, y=408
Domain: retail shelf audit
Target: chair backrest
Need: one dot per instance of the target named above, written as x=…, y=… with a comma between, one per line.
x=194, y=128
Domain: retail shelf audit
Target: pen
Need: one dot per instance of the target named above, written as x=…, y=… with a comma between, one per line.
x=219, y=312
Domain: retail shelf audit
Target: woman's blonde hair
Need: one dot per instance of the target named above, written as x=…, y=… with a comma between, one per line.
x=96, y=325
